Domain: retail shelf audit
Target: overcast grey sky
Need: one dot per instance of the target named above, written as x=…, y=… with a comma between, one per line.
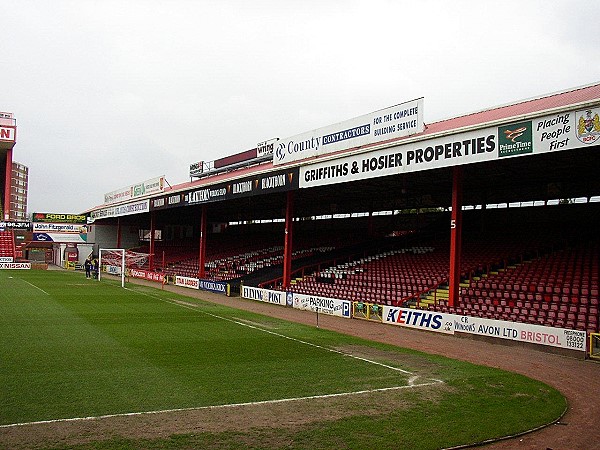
x=111, y=93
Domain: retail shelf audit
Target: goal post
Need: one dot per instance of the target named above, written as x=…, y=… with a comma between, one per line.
x=111, y=256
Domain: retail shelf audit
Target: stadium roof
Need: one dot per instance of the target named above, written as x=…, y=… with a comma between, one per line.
x=542, y=177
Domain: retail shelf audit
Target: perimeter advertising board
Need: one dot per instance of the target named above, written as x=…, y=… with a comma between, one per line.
x=263, y=295
x=515, y=331
x=322, y=305
x=147, y=275
x=551, y=133
x=397, y=121
x=192, y=283
x=14, y=266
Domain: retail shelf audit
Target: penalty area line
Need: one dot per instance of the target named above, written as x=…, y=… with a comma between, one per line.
x=226, y=406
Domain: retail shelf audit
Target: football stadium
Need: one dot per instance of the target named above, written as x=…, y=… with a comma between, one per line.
x=382, y=282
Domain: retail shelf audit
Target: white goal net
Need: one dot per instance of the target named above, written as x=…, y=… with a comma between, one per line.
x=116, y=261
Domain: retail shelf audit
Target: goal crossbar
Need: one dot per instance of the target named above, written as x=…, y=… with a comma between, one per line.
x=119, y=250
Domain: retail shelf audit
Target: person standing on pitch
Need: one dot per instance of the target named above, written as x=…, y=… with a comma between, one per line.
x=87, y=266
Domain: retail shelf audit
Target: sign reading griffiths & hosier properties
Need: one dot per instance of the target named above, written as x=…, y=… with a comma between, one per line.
x=397, y=121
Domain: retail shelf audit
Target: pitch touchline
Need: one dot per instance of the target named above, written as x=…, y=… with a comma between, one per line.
x=411, y=380
x=229, y=405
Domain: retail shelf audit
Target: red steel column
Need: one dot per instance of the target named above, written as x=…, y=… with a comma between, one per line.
x=202, y=254
x=455, y=235
x=118, y=232
x=152, y=227
x=287, y=247
x=7, y=186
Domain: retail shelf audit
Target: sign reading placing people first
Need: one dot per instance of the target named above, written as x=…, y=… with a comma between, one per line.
x=398, y=121
x=562, y=131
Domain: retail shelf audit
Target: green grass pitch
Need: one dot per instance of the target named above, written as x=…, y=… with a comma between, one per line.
x=71, y=347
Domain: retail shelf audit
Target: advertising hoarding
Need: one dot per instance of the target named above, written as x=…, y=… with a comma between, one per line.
x=397, y=121
x=148, y=187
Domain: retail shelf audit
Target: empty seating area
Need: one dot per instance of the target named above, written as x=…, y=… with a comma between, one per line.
x=385, y=278
x=559, y=289
x=7, y=244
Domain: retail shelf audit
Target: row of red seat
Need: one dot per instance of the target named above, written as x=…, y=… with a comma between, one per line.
x=7, y=244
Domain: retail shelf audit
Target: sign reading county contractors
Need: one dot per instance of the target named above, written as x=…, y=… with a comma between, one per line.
x=330, y=306
x=547, y=134
x=394, y=122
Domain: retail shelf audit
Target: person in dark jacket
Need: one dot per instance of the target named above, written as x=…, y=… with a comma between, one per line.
x=87, y=265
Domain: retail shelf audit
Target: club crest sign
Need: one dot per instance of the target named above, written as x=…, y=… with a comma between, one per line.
x=588, y=126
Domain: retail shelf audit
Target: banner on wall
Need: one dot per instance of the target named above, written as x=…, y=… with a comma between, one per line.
x=563, y=131
x=59, y=232
x=14, y=266
x=396, y=121
x=263, y=295
x=192, y=283
x=148, y=187
x=128, y=209
x=515, y=331
x=323, y=305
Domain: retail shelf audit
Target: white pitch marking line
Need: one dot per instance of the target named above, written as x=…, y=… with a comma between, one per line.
x=243, y=324
x=411, y=381
x=229, y=405
x=33, y=285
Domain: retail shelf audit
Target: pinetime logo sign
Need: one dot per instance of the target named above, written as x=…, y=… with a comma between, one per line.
x=515, y=139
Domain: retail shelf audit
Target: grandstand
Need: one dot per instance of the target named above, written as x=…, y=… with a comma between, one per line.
x=371, y=223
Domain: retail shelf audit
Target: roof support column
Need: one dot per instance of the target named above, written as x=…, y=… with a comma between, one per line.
x=455, y=235
x=152, y=227
x=118, y=232
x=7, y=178
x=287, y=247
x=202, y=247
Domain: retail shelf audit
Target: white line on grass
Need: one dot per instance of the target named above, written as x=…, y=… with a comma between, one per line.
x=33, y=285
x=411, y=381
x=229, y=405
